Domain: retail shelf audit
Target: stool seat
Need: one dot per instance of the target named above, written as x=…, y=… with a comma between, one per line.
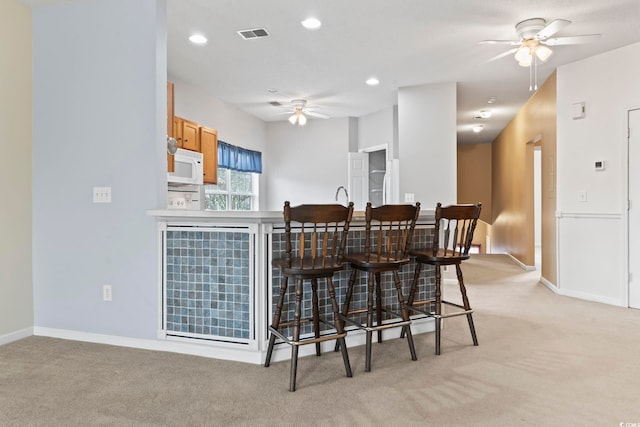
x=309, y=268
x=442, y=257
x=376, y=262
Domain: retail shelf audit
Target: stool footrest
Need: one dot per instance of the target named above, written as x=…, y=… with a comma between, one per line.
x=459, y=313
x=308, y=340
x=382, y=326
x=413, y=306
x=438, y=316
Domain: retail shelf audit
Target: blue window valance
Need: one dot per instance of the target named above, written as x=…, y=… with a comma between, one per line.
x=239, y=159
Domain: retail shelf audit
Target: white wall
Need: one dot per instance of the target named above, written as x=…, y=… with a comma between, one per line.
x=99, y=120
x=593, y=232
x=234, y=126
x=377, y=129
x=427, y=143
x=16, y=302
x=306, y=164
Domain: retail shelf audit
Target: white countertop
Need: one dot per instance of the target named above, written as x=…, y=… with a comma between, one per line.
x=426, y=215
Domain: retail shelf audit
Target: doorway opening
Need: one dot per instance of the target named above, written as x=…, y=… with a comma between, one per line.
x=537, y=205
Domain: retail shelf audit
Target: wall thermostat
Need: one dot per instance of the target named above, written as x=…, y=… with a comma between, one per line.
x=599, y=165
x=578, y=110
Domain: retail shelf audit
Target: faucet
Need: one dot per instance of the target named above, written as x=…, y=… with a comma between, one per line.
x=346, y=193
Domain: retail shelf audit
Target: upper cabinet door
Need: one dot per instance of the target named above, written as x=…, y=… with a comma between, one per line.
x=177, y=130
x=209, y=150
x=190, y=135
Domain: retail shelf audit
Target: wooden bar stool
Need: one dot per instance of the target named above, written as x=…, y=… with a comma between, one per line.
x=389, y=230
x=317, y=253
x=456, y=224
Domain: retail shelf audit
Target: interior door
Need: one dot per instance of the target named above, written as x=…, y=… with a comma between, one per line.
x=358, y=176
x=634, y=208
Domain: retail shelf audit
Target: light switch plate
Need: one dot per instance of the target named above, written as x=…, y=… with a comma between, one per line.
x=582, y=196
x=101, y=194
x=409, y=197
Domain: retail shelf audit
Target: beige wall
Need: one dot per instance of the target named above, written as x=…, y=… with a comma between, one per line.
x=474, y=185
x=512, y=181
x=474, y=176
x=16, y=301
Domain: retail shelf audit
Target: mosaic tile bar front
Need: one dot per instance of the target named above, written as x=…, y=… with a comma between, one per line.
x=355, y=242
x=208, y=283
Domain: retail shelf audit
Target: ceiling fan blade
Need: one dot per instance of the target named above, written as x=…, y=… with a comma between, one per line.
x=559, y=41
x=502, y=55
x=317, y=115
x=552, y=28
x=509, y=42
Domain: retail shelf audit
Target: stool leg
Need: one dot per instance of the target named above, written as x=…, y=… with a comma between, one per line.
x=296, y=335
x=347, y=302
x=438, y=308
x=339, y=326
x=378, y=305
x=405, y=314
x=467, y=306
x=414, y=289
x=370, y=285
x=316, y=315
x=276, y=320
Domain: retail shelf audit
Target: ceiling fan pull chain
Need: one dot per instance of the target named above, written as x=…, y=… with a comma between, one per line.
x=535, y=73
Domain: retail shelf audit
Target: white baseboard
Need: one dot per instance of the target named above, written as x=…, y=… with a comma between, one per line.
x=224, y=351
x=548, y=284
x=581, y=295
x=591, y=297
x=193, y=348
x=522, y=265
x=16, y=336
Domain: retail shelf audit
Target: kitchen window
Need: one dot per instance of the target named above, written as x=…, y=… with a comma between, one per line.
x=235, y=191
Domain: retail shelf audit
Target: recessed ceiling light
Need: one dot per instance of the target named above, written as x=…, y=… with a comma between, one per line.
x=272, y=90
x=198, y=39
x=477, y=128
x=311, y=23
x=483, y=114
x=492, y=100
x=372, y=81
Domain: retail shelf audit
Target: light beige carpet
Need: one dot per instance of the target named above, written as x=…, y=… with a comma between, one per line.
x=543, y=360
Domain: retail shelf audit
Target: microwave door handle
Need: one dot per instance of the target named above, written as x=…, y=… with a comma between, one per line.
x=193, y=168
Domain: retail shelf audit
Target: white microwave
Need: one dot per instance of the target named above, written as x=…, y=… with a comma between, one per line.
x=187, y=168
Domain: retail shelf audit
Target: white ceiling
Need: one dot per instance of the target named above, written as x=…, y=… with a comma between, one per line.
x=402, y=43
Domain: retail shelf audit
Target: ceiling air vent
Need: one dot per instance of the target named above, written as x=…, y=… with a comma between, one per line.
x=253, y=34
x=275, y=103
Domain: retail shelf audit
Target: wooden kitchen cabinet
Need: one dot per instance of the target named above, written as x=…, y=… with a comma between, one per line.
x=190, y=135
x=187, y=133
x=177, y=130
x=209, y=150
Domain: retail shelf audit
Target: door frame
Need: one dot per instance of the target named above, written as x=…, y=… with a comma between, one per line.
x=625, y=207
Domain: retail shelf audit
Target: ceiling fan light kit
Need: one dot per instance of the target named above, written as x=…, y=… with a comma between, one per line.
x=298, y=118
x=534, y=37
x=301, y=112
x=525, y=53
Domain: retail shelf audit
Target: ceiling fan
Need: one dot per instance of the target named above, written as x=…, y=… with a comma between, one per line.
x=534, y=37
x=299, y=112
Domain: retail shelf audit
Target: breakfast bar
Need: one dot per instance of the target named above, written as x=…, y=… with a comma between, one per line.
x=218, y=289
